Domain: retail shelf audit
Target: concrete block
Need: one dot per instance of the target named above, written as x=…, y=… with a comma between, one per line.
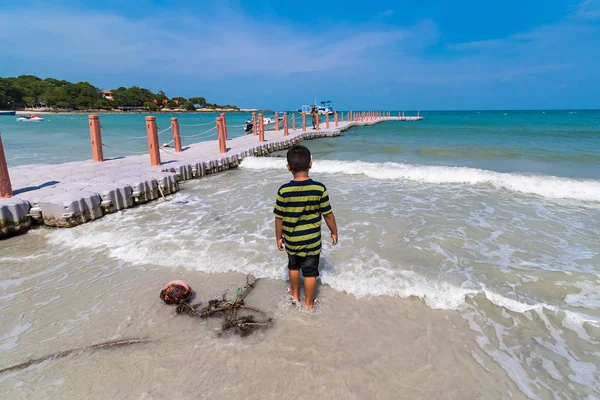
x=199, y=170
x=145, y=189
x=115, y=197
x=14, y=217
x=65, y=210
x=183, y=171
x=167, y=181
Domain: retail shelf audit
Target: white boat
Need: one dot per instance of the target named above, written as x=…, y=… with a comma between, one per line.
x=325, y=108
x=33, y=118
x=268, y=124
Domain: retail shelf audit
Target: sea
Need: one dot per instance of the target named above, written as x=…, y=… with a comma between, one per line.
x=468, y=266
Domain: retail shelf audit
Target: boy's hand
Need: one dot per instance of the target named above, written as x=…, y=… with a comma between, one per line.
x=280, y=245
x=334, y=239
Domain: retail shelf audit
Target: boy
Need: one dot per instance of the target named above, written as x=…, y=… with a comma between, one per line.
x=298, y=210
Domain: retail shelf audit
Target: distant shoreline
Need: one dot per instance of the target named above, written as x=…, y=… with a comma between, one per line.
x=175, y=111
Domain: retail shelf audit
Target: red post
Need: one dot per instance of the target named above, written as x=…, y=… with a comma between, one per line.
x=221, y=135
x=176, y=134
x=153, y=145
x=318, y=121
x=276, y=121
x=335, y=117
x=261, y=129
x=224, y=126
x=349, y=115
x=303, y=122
x=326, y=120
x=294, y=121
x=254, y=130
x=96, y=138
x=285, y=125
x=5, y=186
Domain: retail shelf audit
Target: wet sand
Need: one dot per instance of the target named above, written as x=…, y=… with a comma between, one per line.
x=377, y=348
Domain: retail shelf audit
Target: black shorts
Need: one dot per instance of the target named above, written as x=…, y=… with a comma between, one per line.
x=309, y=264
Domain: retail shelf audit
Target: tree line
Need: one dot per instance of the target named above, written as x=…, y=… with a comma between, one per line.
x=31, y=91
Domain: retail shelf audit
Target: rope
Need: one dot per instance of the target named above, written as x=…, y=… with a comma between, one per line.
x=126, y=151
x=235, y=126
x=123, y=136
x=168, y=152
x=164, y=130
x=200, y=134
x=208, y=123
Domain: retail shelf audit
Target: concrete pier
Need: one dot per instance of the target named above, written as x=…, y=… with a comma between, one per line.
x=70, y=194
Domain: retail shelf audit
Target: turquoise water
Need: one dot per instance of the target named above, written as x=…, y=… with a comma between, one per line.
x=560, y=143
x=65, y=137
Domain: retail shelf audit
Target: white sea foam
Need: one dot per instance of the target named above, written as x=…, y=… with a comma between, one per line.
x=546, y=186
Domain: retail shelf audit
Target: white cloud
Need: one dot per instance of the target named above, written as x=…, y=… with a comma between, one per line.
x=238, y=45
x=589, y=9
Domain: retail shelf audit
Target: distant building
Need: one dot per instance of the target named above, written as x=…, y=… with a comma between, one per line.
x=107, y=94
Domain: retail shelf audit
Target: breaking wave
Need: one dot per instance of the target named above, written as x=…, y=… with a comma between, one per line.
x=542, y=185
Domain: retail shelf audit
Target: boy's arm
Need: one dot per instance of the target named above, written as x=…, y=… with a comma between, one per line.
x=331, y=224
x=279, y=233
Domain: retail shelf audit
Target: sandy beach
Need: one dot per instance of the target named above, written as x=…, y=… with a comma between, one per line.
x=371, y=348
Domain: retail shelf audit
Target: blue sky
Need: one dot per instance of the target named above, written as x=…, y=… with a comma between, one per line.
x=274, y=54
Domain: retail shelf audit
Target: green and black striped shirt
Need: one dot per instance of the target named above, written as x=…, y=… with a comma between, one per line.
x=300, y=205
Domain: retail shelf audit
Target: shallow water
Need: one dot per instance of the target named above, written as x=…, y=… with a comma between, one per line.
x=452, y=279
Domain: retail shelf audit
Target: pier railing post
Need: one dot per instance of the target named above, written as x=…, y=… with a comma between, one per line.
x=5, y=186
x=96, y=138
x=286, y=127
x=221, y=135
x=349, y=115
x=176, y=134
x=276, y=121
x=261, y=128
x=153, y=147
x=254, y=124
x=326, y=120
x=294, y=121
x=318, y=122
x=224, y=126
x=335, y=117
x=303, y=122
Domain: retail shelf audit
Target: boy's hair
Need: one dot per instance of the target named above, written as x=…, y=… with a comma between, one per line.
x=298, y=158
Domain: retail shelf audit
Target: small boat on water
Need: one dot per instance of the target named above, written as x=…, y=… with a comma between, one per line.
x=33, y=118
x=268, y=123
x=324, y=108
x=3, y=112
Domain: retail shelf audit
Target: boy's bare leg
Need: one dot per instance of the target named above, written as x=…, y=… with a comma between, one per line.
x=310, y=284
x=295, y=283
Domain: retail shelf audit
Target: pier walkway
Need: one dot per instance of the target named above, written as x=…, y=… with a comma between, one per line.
x=69, y=194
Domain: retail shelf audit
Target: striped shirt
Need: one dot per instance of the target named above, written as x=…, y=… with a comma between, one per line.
x=300, y=205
